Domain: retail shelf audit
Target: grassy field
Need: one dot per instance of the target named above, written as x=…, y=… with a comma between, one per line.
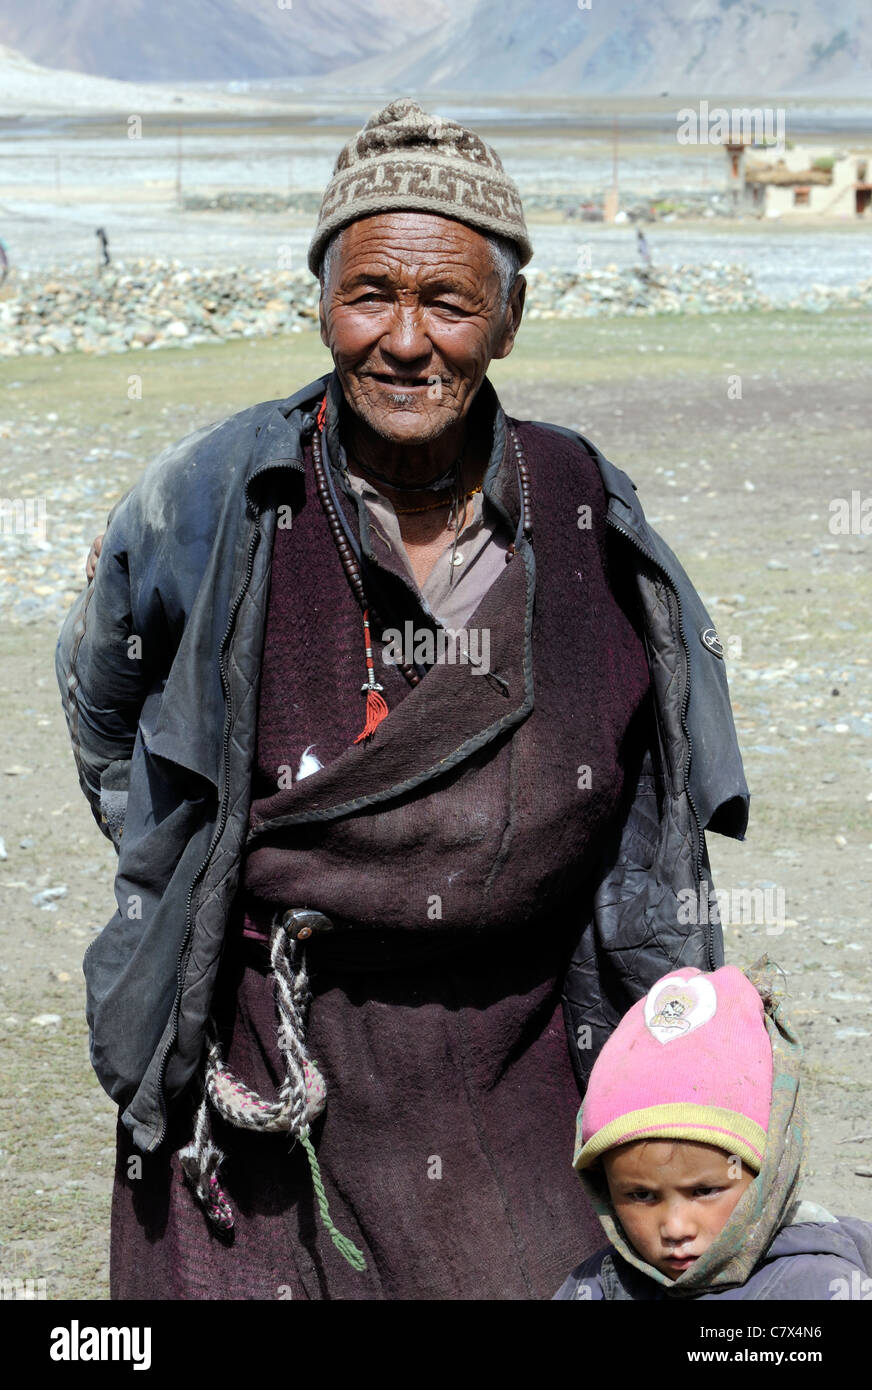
x=739, y=484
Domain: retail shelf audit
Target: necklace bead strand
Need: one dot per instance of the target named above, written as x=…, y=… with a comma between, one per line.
x=525, y=484
x=349, y=563
x=434, y=506
x=346, y=555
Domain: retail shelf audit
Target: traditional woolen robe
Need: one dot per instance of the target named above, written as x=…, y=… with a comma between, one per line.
x=453, y=851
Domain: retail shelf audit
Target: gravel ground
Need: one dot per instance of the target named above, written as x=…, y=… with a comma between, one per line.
x=741, y=486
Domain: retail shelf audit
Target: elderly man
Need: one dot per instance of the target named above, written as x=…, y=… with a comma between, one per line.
x=413, y=728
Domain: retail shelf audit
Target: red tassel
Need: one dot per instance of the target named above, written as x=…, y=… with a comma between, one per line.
x=376, y=708
x=376, y=711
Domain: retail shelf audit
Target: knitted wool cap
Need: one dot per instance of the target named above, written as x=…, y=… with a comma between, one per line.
x=690, y=1061
x=405, y=160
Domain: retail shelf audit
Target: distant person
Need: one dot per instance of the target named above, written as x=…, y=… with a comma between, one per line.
x=104, y=245
x=644, y=252
x=4, y=262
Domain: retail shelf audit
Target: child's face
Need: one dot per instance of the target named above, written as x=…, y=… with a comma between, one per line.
x=672, y=1197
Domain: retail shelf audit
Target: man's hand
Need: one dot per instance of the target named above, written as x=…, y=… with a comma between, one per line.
x=93, y=557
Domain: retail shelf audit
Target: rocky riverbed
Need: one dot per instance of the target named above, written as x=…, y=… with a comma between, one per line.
x=153, y=304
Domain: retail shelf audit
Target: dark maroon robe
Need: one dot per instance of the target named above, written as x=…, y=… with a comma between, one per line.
x=454, y=852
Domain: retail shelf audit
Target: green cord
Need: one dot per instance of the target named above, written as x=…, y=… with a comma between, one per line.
x=346, y=1247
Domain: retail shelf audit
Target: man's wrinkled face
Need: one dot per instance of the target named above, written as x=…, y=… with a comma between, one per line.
x=413, y=315
x=673, y=1197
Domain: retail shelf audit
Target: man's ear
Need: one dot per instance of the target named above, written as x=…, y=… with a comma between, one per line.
x=322, y=319
x=512, y=317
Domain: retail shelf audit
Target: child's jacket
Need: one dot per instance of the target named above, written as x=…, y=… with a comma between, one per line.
x=773, y=1246
x=818, y=1257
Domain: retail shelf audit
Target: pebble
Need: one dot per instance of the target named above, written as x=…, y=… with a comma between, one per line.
x=46, y=1020
x=47, y=896
x=4, y=855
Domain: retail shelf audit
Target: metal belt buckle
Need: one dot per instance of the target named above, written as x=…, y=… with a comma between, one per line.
x=302, y=922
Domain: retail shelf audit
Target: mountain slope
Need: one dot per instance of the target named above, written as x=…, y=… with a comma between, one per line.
x=211, y=40
x=630, y=46
x=476, y=46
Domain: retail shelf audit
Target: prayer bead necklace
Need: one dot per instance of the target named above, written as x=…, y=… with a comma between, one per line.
x=434, y=506
x=376, y=708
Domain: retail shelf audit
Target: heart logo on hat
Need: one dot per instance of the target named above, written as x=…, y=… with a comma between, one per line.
x=674, y=1007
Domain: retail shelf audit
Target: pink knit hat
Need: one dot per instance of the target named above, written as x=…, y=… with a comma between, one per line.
x=692, y=1060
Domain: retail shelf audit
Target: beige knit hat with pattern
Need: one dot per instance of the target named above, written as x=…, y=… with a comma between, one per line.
x=406, y=160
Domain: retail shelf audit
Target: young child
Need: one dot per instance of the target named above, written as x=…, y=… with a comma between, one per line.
x=689, y=1144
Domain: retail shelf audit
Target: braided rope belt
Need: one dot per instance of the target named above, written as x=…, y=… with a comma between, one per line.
x=302, y=1095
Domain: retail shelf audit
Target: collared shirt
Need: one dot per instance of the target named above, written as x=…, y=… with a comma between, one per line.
x=451, y=592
